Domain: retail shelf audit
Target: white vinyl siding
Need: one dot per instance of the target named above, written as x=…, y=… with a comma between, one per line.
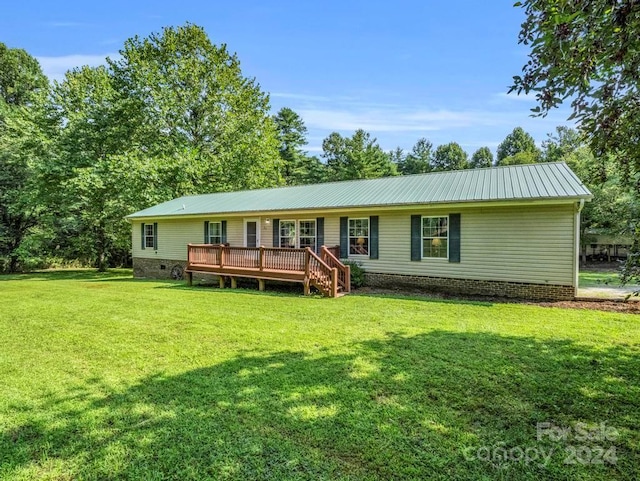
x=532, y=244
x=174, y=235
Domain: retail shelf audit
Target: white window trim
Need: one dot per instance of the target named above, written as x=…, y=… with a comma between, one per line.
x=368, y=237
x=296, y=227
x=149, y=236
x=315, y=232
x=211, y=222
x=422, y=237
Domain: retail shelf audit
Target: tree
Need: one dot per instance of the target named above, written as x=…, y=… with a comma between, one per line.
x=613, y=202
x=563, y=142
x=481, y=158
x=520, y=158
x=173, y=116
x=192, y=102
x=291, y=136
x=24, y=139
x=309, y=170
x=418, y=161
x=86, y=181
x=356, y=157
x=450, y=156
x=517, y=141
x=22, y=82
x=587, y=53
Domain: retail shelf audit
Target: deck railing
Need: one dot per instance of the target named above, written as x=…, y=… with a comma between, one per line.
x=344, y=272
x=324, y=271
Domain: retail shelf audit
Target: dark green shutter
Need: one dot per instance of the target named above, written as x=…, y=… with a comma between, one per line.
x=344, y=237
x=319, y=233
x=206, y=231
x=155, y=236
x=276, y=232
x=454, y=237
x=373, y=237
x=416, y=237
x=223, y=234
x=142, y=236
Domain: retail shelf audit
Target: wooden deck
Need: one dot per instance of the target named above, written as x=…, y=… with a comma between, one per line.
x=324, y=271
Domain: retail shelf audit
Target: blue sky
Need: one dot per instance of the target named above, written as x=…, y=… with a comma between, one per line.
x=401, y=70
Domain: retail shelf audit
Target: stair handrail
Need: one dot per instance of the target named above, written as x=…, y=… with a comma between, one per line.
x=330, y=274
x=344, y=271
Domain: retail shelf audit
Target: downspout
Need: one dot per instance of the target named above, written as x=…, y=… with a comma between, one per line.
x=576, y=252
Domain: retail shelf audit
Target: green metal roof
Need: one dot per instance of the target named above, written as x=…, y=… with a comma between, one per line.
x=545, y=181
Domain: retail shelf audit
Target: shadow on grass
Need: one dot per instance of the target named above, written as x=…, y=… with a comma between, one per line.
x=399, y=408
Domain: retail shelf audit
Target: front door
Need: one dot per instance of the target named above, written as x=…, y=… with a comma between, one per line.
x=251, y=236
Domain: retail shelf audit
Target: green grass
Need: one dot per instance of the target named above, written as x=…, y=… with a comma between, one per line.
x=602, y=279
x=599, y=279
x=106, y=377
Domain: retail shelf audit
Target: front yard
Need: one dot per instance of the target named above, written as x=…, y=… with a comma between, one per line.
x=106, y=377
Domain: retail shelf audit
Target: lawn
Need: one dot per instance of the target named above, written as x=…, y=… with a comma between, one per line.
x=106, y=377
x=599, y=278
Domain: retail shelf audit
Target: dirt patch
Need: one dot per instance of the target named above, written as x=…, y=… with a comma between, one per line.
x=631, y=307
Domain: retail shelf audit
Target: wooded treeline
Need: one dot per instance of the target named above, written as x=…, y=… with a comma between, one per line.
x=175, y=116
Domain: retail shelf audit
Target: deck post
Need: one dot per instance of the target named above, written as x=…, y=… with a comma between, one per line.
x=189, y=278
x=261, y=258
x=221, y=255
x=307, y=257
x=347, y=279
x=261, y=284
x=307, y=287
x=334, y=282
x=221, y=278
x=234, y=283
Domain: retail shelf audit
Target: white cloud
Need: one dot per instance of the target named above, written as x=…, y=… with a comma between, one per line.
x=395, y=120
x=56, y=67
x=530, y=97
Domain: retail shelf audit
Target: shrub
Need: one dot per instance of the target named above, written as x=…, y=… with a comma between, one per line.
x=357, y=273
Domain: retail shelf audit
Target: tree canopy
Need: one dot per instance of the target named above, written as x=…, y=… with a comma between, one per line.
x=450, y=156
x=517, y=142
x=481, y=158
x=356, y=157
x=24, y=142
x=587, y=53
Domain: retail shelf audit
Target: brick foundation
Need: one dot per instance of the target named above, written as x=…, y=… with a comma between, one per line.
x=520, y=290
x=153, y=269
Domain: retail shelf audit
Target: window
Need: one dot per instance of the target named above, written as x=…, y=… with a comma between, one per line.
x=435, y=237
x=359, y=237
x=215, y=232
x=307, y=230
x=288, y=233
x=149, y=236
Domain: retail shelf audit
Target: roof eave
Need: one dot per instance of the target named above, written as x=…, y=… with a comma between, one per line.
x=403, y=206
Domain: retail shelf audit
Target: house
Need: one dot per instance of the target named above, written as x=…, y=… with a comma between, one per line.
x=599, y=246
x=505, y=231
